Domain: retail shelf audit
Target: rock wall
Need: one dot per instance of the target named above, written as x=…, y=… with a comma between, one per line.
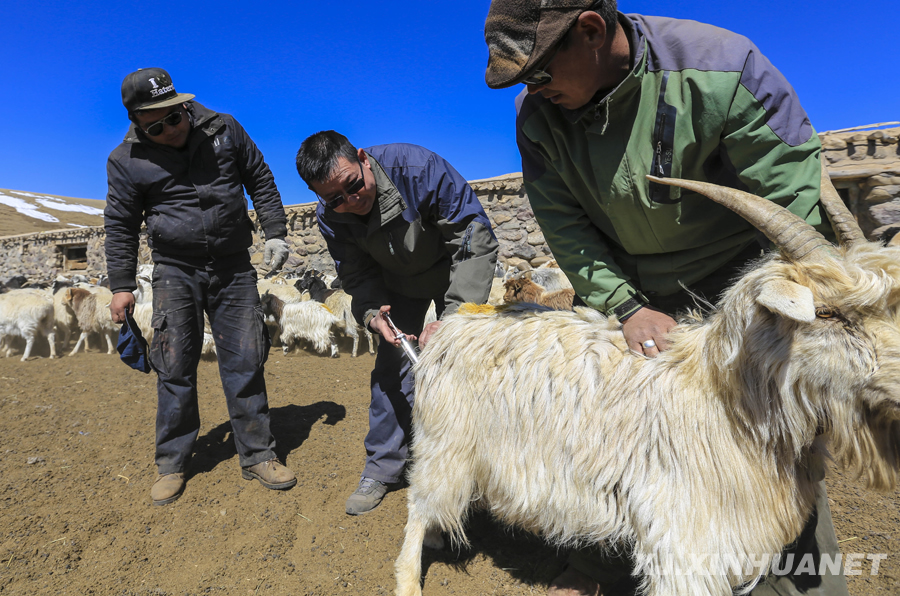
x=865, y=168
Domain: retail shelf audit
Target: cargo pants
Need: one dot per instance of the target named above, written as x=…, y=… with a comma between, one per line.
x=228, y=294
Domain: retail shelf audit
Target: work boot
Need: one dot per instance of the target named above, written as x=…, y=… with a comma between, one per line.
x=366, y=497
x=271, y=474
x=167, y=488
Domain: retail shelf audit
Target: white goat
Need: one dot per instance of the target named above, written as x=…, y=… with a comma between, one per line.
x=286, y=292
x=339, y=303
x=26, y=313
x=64, y=319
x=551, y=277
x=91, y=308
x=710, y=450
x=307, y=320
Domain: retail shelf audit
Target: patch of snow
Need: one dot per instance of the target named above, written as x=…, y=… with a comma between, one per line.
x=25, y=208
x=60, y=205
x=77, y=225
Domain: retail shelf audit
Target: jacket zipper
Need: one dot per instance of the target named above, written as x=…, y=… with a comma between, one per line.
x=663, y=146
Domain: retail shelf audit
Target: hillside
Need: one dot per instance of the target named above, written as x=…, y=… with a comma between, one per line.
x=25, y=213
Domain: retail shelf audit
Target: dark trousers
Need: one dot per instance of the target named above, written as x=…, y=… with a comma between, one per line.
x=613, y=572
x=228, y=295
x=390, y=413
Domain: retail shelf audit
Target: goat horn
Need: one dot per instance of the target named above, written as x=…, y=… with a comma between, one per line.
x=844, y=224
x=791, y=234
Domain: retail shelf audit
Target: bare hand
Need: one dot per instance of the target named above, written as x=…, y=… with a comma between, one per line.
x=379, y=325
x=121, y=302
x=648, y=325
x=429, y=330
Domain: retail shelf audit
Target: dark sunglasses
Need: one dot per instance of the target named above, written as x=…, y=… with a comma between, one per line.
x=539, y=77
x=353, y=189
x=156, y=129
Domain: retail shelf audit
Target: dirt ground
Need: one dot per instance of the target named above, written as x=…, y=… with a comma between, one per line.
x=76, y=466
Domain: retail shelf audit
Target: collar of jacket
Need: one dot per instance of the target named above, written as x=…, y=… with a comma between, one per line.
x=201, y=117
x=599, y=104
x=388, y=201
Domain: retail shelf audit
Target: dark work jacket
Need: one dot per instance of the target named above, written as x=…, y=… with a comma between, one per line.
x=427, y=234
x=192, y=199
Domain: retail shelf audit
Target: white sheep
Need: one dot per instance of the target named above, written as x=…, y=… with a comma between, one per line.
x=339, y=303
x=708, y=454
x=91, y=309
x=26, y=313
x=307, y=320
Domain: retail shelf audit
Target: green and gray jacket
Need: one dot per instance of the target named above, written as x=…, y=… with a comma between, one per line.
x=427, y=234
x=700, y=103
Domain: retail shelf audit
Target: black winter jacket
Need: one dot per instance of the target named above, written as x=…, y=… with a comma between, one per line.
x=192, y=199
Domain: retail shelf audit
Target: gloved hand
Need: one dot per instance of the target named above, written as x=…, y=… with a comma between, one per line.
x=277, y=252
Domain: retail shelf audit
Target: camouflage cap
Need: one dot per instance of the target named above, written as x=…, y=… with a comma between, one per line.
x=520, y=33
x=149, y=89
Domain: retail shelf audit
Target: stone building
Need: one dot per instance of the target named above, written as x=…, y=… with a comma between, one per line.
x=865, y=168
x=864, y=165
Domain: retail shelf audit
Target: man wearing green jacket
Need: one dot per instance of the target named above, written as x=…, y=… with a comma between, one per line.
x=610, y=98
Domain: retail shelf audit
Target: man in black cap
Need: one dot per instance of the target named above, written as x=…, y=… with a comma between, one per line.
x=182, y=169
x=611, y=98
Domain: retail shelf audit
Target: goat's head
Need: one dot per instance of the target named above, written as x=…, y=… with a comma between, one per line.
x=304, y=283
x=809, y=341
x=266, y=301
x=513, y=287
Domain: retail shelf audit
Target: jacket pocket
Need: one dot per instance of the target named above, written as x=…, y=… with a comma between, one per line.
x=265, y=342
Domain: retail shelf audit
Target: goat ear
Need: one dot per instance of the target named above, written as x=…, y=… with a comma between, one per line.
x=788, y=299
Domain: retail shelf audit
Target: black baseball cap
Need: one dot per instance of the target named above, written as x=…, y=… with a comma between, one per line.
x=149, y=89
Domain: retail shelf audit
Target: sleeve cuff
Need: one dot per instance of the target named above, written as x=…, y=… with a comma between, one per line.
x=626, y=309
x=370, y=314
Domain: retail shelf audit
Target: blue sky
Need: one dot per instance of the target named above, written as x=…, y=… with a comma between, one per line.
x=380, y=72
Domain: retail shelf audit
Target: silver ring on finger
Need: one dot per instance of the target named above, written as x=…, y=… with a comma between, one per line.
x=649, y=344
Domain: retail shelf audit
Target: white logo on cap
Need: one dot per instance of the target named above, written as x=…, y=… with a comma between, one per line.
x=153, y=82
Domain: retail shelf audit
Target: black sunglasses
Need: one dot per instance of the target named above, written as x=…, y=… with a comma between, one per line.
x=353, y=189
x=539, y=77
x=156, y=129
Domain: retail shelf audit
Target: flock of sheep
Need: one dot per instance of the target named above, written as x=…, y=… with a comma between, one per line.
x=302, y=310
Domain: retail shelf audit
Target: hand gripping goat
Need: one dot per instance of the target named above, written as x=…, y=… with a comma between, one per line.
x=712, y=448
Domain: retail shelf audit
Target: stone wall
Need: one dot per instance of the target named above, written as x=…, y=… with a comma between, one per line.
x=865, y=167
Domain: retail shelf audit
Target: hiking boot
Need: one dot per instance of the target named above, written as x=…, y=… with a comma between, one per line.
x=167, y=488
x=366, y=497
x=271, y=474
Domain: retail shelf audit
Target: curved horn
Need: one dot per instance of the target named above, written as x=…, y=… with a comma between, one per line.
x=792, y=235
x=844, y=224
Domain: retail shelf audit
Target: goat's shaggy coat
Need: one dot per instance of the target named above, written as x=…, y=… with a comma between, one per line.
x=27, y=313
x=712, y=448
x=308, y=320
x=92, y=311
